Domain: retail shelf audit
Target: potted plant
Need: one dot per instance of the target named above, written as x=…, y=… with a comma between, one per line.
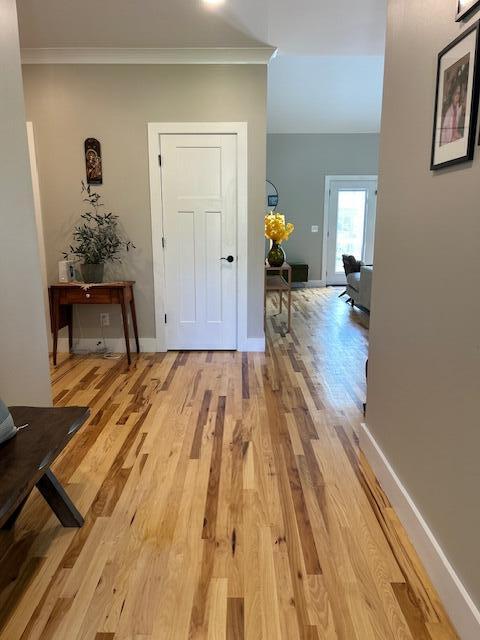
x=97, y=239
x=277, y=231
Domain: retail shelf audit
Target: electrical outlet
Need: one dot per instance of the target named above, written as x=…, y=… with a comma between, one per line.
x=314, y=228
x=105, y=319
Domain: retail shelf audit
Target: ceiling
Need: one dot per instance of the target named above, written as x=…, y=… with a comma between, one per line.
x=313, y=27
x=327, y=76
x=126, y=23
x=325, y=94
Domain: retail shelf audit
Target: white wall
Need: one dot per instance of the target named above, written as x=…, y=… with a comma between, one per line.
x=24, y=371
x=326, y=94
x=424, y=375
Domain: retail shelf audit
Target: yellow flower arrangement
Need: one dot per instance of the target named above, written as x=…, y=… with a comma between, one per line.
x=276, y=229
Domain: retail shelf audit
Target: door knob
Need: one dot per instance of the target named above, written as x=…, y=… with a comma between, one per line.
x=228, y=258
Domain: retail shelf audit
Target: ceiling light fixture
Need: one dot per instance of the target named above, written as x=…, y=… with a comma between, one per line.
x=213, y=3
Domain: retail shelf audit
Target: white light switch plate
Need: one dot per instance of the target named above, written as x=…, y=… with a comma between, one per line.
x=314, y=228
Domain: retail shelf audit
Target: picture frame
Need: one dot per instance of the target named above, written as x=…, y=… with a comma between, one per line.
x=273, y=201
x=456, y=101
x=465, y=8
x=273, y=197
x=93, y=161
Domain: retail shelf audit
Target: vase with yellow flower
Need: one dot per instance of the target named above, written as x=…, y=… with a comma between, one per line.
x=278, y=231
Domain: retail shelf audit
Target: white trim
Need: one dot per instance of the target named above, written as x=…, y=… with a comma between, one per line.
x=115, y=345
x=240, y=129
x=456, y=600
x=39, y=224
x=256, y=345
x=326, y=210
x=147, y=345
x=106, y=55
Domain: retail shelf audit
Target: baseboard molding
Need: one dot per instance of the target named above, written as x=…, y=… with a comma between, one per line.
x=116, y=345
x=147, y=345
x=254, y=345
x=463, y=612
x=311, y=284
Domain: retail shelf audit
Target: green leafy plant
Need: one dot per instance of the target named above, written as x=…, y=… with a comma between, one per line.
x=98, y=238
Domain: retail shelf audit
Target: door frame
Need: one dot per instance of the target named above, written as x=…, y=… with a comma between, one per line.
x=326, y=212
x=155, y=130
x=39, y=224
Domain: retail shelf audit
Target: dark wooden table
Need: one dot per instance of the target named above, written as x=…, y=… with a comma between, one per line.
x=25, y=461
x=65, y=294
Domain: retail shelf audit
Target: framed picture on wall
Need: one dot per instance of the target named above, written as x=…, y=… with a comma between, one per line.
x=93, y=161
x=465, y=8
x=456, y=101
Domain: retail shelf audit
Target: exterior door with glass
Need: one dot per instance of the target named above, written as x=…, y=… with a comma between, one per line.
x=350, y=225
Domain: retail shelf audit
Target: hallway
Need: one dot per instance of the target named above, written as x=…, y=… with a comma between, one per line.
x=224, y=498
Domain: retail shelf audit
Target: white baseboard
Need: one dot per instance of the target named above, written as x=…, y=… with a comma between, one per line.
x=116, y=345
x=311, y=284
x=463, y=612
x=256, y=345
x=147, y=345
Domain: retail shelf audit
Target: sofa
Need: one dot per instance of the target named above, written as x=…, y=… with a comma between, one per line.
x=359, y=287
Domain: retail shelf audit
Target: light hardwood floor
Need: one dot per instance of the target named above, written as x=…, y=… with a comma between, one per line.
x=225, y=497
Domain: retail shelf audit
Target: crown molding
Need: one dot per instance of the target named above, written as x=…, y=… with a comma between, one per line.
x=103, y=55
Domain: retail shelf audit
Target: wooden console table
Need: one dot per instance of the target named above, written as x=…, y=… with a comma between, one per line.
x=26, y=458
x=278, y=283
x=65, y=294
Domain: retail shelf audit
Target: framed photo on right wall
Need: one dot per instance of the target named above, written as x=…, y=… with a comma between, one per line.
x=456, y=101
x=465, y=8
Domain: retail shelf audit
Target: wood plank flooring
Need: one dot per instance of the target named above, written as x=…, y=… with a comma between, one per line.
x=224, y=497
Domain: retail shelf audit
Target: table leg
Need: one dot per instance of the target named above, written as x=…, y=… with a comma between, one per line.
x=58, y=500
x=281, y=301
x=55, y=325
x=125, y=325
x=134, y=321
x=289, y=309
x=70, y=327
x=13, y=518
x=289, y=299
x=265, y=301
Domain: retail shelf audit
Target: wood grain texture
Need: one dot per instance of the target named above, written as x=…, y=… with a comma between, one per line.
x=224, y=497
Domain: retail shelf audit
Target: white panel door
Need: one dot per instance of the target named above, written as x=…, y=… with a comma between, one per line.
x=351, y=224
x=199, y=190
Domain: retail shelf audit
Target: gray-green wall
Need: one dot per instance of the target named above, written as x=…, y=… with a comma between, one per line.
x=297, y=164
x=114, y=103
x=424, y=374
